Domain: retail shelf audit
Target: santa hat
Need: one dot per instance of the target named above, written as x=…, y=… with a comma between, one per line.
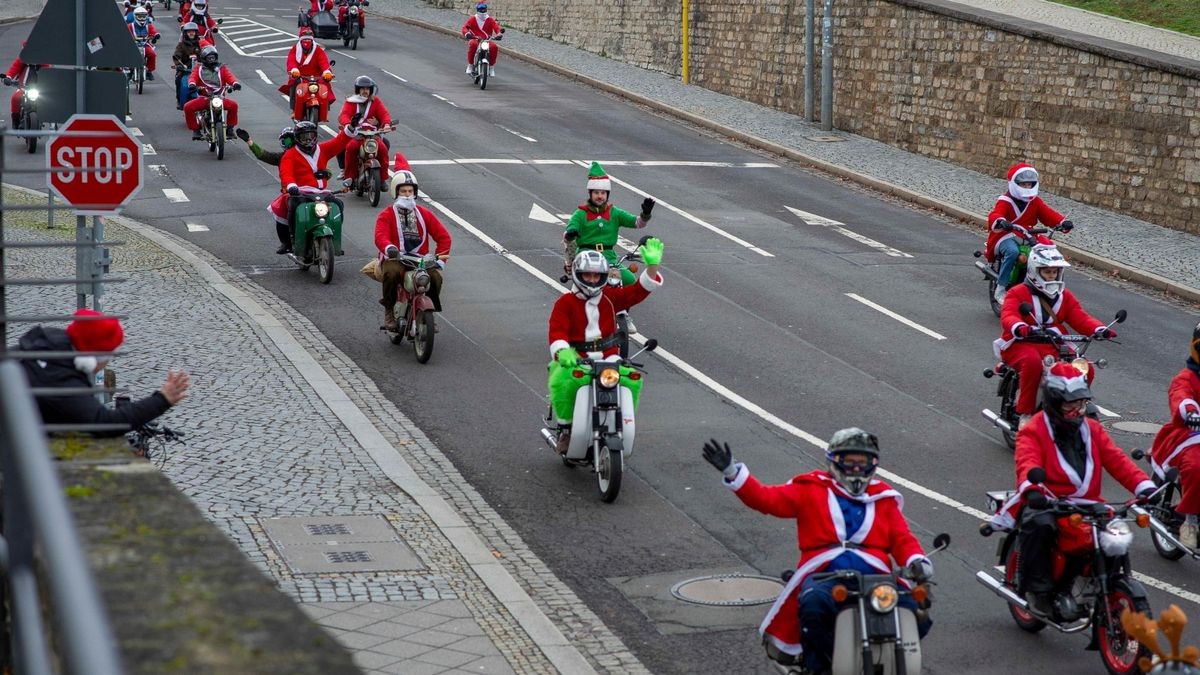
x=1068, y=381
x=400, y=163
x=1018, y=191
x=598, y=179
x=95, y=335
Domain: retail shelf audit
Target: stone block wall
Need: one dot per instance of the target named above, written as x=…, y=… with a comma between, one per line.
x=1105, y=125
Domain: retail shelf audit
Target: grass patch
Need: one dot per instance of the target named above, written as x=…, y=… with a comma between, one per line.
x=1182, y=16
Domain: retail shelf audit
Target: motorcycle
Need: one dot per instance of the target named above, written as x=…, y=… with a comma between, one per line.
x=1164, y=521
x=481, y=67
x=873, y=633
x=166, y=5
x=137, y=76
x=318, y=231
x=414, y=309
x=1099, y=593
x=27, y=116
x=212, y=120
x=351, y=27
x=1010, y=386
x=370, y=169
x=1027, y=239
x=602, y=429
x=629, y=260
x=310, y=99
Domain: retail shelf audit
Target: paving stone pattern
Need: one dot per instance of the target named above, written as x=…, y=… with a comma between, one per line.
x=1141, y=244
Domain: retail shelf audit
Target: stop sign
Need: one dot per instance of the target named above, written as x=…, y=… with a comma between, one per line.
x=109, y=150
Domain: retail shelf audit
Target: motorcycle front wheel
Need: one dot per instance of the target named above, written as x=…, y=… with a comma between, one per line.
x=313, y=114
x=354, y=38
x=219, y=138
x=325, y=259
x=31, y=124
x=374, y=187
x=1025, y=620
x=609, y=467
x=483, y=74
x=1009, y=390
x=141, y=79
x=1120, y=651
x=996, y=306
x=423, y=340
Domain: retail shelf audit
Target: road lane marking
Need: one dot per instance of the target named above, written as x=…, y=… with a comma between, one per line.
x=517, y=134
x=160, y=169
x=443, y=98
x=329, y=130
x=148, y=149
x=1105, y=411
x=729, y=395
x=685, y=214
x=135, y=131
x=346, y=55
x=268, y=51
x=388, y=72
x=541, y=215
x=430, y=162
x=247, y=30
x=175, y=195
x=813, y=219
x=490, y=161
x=907, y=322
x=269, y=42
x=550, y=161
x=196, y=227
x=264, y=77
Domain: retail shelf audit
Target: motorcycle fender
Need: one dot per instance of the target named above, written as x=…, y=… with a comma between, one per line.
x=1134, y=587
x=322, y=231
x=373, y=163
x=847, y=647
x=628, y=422
x=581, y=424
x=424, y=303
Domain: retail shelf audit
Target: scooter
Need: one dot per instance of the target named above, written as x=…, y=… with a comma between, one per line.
x=370, y=168
x=212, y=120
x=1010, y=386
x=1098, y=595
x=603, y=424
x=1027, y=239
x=481, y=67
x=310, y=99
x=873, y=633
x=414, y=310
x=1164, y=521
x=318, y=232
x=628, y=261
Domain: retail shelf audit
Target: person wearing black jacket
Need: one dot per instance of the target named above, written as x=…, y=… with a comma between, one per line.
x=89, y=335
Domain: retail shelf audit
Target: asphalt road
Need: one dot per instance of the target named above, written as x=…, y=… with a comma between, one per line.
x=761, y=346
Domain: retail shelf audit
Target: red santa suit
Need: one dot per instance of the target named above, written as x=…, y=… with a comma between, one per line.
x=1026, y=357
x=576, y=318
x=1035, y=211
x=480, y=30
x=811, y=499
x=207, y=81
x=313, y=63
x=344, y=11
x=371, y=110
x=315, y=6
x=206, y=24
x=150, y=33
x=1173, y=446
x=430, y=229
x=1036, y=448
x=297, y=169
x=19, y=71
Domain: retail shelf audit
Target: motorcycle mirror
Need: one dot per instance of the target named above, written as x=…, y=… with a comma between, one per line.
x=220, y=21
x=333, y=63
x=1025, y=308
x=1172, y=475
x=1036, y=475
x=1137, y=454
x=651, y=344
x=941, y=541
x=1121, y=316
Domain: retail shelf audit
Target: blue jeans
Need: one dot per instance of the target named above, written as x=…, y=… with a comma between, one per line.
x=1008, y=250
x=818, y=616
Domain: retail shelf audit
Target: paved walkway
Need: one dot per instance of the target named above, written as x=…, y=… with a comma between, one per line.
x=353, y=511
x=1145, y=246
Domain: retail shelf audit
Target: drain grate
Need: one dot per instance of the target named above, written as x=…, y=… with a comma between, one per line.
x=344, y=557
x=327, y=529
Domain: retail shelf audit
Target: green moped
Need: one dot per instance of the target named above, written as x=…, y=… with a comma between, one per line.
x=317, y=237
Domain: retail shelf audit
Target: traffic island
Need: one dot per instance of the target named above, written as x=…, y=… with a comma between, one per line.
x=182, y=598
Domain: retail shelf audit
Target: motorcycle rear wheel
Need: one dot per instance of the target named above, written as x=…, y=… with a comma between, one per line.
x=374, y=187
x=1121, y=653
x=325, y=258
x=609, y=467
x=1009, y=390
x=32, y=124
x=1024, y=619
x=423, y=340
x=1165, y=548
x=996, y=307
x=354, y=38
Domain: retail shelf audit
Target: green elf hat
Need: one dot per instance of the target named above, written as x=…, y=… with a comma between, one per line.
x=598, y=179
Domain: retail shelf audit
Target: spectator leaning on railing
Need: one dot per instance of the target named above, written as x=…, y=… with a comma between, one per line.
x=90, y=335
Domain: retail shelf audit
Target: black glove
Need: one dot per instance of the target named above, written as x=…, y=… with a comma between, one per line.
x=191, y=87
x=293, y=191
x=1003, y=224
x=8, y=81
x=237, y=86
x=570, y=235
x=720, y=456
x=1192, y=420
x=1066, y=226
x=155, y=38
x=242, y=134
x=647, y=207
x=1145, y=492
x=1105, y=333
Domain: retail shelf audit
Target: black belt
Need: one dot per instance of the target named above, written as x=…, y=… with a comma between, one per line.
x=596, y=345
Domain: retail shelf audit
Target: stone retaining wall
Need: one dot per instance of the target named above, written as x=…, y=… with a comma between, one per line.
x=1106, y=124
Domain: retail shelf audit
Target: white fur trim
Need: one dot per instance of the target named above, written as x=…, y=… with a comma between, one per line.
x=557, y=346
x=650, y=284
x=591, y=309
x=86, y=364
x=1142, y=486
x=292, y=185
x=1185, y=404
x=917, y=556
x=599, y=184
x=1166, y=464
x=743, y=474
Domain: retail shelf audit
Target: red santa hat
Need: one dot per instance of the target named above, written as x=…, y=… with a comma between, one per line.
x=400, y=163
x=95, y=335
x=1069, y=381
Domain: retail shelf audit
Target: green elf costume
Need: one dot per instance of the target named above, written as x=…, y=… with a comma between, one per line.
x=595, y=224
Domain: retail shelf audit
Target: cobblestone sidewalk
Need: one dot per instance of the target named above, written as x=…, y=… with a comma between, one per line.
x=264, y=446
x=1136, y=243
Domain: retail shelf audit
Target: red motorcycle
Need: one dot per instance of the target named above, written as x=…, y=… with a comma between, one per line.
x=414, y=308
x=310, y=99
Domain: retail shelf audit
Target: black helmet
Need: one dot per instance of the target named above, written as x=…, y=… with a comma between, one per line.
x=1194, y=355
x=1065, y=383
x=856, y=441
x=306, y=136
x=287, y=137
x=365, y=81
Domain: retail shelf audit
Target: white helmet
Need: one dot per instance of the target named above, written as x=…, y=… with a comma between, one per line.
x=200, y=7
x=141, y=16
x=1023, y=173
x=1044, y=256
x=590, y=261
x=403, y=177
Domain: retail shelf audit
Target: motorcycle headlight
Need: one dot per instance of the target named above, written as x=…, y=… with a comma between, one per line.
x=321, y=209
x=312, y=88
x=354, y=10
x=884, y=597
x=609, y=377
x=217, y=102
x=1082, y=365
x=371, y=147
x=32, y=94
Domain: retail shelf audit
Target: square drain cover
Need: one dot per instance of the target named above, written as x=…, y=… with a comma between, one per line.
x=318, y=544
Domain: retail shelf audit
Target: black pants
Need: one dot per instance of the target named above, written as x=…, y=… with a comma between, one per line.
x=1039, y=530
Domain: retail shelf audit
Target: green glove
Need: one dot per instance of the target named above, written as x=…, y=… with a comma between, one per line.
x=651, y=251
x=567, y=357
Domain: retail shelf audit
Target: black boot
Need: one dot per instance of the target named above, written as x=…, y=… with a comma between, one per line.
x=285, y=242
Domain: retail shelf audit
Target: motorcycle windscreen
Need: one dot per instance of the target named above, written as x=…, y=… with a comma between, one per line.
x=581, y=423
x=847, y=652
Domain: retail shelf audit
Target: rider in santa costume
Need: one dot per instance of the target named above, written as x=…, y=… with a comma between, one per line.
x=1017, y=210
x=1177, y=442
x=307, y=59
x=478, y=27
x=845, y=519
x=297, y=174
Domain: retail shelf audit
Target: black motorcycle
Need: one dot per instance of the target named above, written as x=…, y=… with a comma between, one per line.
x=1027, y=238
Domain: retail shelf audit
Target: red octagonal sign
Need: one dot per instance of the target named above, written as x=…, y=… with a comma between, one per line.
x=111, y=156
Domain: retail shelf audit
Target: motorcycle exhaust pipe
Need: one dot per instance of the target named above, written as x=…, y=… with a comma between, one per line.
x=549, y=437
x=995, y=419
x=986, y=269
x=999, y=589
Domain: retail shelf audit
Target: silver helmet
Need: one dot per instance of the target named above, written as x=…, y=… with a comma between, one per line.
x=590, y=261
x=852, y=441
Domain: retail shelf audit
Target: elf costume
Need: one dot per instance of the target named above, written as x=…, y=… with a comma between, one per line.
x=598, y=227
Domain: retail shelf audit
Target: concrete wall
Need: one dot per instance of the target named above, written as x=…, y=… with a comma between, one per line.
x=1105, y=124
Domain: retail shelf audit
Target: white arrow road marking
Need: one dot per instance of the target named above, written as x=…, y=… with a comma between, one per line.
x=264, y=77
x=388, y=72
x=813, y=219
x=196, y=227
x=148, y=149
x=758, y=411
x=564, y=216
x=175, y=195
x=1106, y=412
x=907, y=322
x=135, y=131
x=517, y=134
x=541, y=215
x=685, y=214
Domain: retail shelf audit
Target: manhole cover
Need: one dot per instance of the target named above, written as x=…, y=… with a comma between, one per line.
x=1134, y=427
x=728, y=590
x=825, y=138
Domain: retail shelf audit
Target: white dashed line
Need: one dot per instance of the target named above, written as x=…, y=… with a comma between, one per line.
x=264, y=77
x=517, y=134
x=329, y=130
x=346, y=55
x=1106, y=412
x=160, y=169
x=489, y=161
x=813, y=219
x=388, y=72
x=907, y=322
x=443, y=98
x=196, y=227
x=148, y=149
x=175, y=195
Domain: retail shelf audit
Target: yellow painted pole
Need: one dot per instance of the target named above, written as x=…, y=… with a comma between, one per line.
x=685, y=41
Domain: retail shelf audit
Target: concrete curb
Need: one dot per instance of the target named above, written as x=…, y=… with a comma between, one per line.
x=557, y=648
x=1098, y=261
x=18, y=19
